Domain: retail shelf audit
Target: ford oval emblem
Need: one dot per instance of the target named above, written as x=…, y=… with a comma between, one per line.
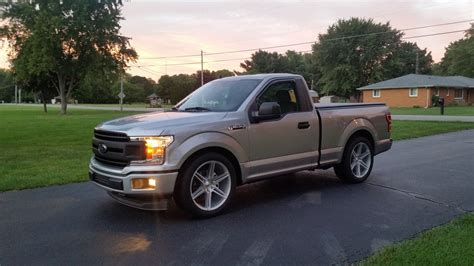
x=102, y=148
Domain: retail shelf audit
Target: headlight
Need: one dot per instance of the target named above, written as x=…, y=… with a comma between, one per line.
x=155, y=148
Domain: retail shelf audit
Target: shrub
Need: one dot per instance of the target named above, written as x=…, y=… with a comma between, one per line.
x=434, y=100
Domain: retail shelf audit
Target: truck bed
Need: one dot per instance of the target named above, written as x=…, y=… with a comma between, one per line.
x=338, y=121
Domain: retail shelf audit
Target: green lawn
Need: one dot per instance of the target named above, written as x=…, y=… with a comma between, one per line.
x=125, y=105
x=450, y=110
x=39, y=149
x=451, y=244
x=414, y=129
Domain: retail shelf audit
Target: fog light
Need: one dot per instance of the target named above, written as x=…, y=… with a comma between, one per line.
x=152, y=182
x=143, y=183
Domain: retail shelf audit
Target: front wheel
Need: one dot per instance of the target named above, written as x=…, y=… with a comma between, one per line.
x=357, y=161
x=206, y=185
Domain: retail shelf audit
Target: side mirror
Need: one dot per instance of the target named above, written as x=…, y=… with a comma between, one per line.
x=267, y=111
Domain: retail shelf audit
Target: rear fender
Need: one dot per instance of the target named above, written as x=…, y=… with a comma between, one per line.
x=355, y=125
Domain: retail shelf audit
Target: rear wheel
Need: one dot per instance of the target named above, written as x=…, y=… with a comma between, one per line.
x=357, y=161
x=206, y=185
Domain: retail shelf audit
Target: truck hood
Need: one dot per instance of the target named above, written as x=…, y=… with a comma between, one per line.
x=153, y=124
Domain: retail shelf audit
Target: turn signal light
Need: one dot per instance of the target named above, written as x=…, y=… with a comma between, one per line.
x=388, y=117
x=143, y=183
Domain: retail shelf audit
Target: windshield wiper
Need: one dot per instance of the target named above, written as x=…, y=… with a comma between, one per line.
x=197, y=108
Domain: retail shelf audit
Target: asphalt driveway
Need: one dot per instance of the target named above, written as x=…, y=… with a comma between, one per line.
x=306, y=218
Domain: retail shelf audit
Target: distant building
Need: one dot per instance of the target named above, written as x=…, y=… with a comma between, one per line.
x=154, y=100
x=330, y=99
x=314, y=96
x=418, y=90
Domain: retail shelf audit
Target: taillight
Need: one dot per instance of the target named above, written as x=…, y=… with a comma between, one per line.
x=388, y=117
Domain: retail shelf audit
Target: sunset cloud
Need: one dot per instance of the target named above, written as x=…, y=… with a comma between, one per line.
x=170, y=28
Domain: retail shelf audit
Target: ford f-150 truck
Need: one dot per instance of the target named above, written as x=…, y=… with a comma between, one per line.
x=230, y=132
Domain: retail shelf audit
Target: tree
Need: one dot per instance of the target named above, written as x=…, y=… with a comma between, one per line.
x=39, y=86
x=374, y=53
x=134, y=92
x=265, y=62
x=7, y=86
x=65, y=40
x=403, y=61
x=290, y=62
x=459, y=57
x=176, y=87
x=97, y=88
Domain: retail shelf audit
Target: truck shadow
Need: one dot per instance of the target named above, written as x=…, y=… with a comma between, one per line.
x=276, y=191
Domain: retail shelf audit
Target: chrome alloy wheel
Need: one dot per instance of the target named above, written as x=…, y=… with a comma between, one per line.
x=210, y=185
x=361, y=159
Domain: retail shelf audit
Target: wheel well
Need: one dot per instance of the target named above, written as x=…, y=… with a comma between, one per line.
x=229, y=155
x=365, y=134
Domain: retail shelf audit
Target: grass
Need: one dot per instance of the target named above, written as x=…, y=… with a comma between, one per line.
x=125, y=105
x=450, y=244
x=415, y=129
x=451, y=110
x=39, y=149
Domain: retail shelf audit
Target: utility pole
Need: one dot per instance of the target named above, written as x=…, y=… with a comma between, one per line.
x=202, y=69
x=122, y=70
x=16, y=93
x=19, y=95
x=417, y=63
x=121, y=95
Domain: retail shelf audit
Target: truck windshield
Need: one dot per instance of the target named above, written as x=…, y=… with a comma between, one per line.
x=221, y=95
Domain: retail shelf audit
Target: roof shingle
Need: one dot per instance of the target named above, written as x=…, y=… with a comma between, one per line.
x=417, y=81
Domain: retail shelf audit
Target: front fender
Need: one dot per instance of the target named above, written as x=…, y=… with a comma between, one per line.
x=207, y=140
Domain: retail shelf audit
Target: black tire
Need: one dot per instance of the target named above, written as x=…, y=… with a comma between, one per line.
x=182, y=192
x=344, y=171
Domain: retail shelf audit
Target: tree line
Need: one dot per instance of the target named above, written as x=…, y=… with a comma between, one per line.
x=74, y=49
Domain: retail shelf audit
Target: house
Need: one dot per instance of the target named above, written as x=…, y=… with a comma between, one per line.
x=418, y=90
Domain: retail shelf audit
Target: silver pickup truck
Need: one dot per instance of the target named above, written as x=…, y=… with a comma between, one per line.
x=230, y=132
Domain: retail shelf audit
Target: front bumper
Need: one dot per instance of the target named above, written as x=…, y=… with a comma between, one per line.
x=119, y=180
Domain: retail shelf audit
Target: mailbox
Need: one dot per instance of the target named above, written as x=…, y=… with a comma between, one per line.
x=441, y=105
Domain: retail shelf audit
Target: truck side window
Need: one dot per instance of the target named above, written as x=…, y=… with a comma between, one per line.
x=283, y=93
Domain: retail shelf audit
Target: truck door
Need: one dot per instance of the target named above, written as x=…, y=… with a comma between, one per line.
x=288, y=142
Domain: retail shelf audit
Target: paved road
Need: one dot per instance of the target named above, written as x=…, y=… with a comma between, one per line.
x=445, y=118
x=308, y=218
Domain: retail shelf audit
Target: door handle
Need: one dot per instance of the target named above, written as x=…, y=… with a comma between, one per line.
x=303, y=125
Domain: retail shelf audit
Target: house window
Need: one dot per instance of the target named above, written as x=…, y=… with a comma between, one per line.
x=437, y=91
x=447, y=94
x=458, y=93
x=413, y=92
x=375, y=93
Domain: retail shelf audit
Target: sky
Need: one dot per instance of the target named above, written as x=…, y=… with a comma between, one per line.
x=176, y=28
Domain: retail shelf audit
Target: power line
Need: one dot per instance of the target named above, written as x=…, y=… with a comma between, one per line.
x=197, y=62
x=310, y=42
x=434, y=34
x=306, y=51
x=150, y=72
x=341, y=38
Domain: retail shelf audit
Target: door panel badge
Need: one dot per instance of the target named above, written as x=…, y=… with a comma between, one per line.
x=236, y=127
